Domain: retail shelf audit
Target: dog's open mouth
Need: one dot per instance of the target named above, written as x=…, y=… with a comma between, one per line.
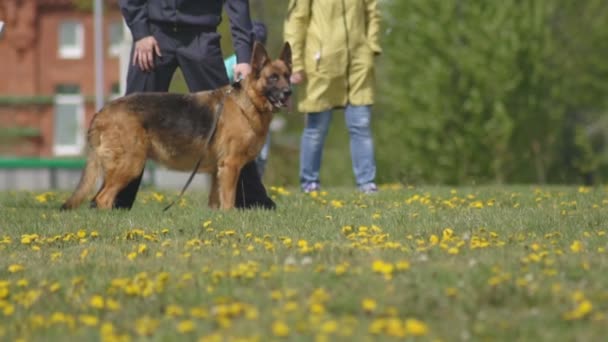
x=278, y=102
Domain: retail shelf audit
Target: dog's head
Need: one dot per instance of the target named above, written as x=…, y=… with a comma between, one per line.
x=271, y=77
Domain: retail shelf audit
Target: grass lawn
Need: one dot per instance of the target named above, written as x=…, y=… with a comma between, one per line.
x=431, y=264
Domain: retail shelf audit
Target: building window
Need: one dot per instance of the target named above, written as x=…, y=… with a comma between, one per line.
x=116, y=37
x=69, y=121
x=71, y=39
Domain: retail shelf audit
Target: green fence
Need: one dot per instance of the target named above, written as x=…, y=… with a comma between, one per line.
x=51, y=164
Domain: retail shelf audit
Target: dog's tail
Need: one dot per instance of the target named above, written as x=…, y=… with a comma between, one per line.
x=86, y=183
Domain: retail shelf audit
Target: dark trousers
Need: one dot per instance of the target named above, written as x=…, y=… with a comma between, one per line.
x=197, y=53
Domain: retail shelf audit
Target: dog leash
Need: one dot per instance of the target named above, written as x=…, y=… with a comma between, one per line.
x=216, y=116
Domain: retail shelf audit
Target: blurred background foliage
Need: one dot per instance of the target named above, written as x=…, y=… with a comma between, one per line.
x=470, y=92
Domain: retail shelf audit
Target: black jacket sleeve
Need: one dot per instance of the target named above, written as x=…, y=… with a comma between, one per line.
x=240, y=26
x=135, y=13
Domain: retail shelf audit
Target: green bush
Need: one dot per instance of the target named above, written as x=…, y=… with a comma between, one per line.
x=479, y=91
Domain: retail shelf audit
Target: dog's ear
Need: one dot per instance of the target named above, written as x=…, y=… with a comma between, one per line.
x=259, y=58
x=285, y=55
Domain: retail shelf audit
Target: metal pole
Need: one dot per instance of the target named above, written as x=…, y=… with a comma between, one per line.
x=125, y=57
x=98, y=27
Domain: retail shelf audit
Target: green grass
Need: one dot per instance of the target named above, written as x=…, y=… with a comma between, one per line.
x=432, y=263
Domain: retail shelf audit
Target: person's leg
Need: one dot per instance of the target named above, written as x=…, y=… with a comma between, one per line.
x=140, y=81
x=361, y=146
x=262, y=158
x=203, y=66
x=311, y=149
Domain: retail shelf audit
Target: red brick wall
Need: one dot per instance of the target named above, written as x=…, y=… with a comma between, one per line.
x=54, y=70
x=32, y=67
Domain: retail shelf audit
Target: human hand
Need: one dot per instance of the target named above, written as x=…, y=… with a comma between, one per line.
x=241, y=70
x=143, y=56
x=297, y=77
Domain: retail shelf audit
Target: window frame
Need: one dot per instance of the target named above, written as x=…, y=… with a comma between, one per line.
x=115, y=48
x=75, y=51
x=70, y=149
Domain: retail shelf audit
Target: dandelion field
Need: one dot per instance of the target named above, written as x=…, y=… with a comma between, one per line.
x=511, y=263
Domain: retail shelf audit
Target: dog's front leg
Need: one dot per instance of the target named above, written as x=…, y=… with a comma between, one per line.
x=214, y=194
x=228, y=174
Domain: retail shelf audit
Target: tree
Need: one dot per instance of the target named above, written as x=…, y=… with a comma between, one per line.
x=477, y=91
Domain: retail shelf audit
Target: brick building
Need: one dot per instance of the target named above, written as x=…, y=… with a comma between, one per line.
x=47, y=74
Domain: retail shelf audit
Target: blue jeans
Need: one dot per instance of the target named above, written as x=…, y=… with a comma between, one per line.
x=262, y=158
x=361, y=144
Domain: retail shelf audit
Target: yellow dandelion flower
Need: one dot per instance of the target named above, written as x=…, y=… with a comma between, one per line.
x=377, y=326
x=174, y=311
x=280, y=329
x=97, y=302
x=329, y=327
x=199, y=313
x=583, y=309
x=476, y=205
x=146, y=326
x=576, y=246
x=402, y=265
x=112, y=304
x=42, y=198
x=317, y=309
x=27, y=239
x=4, y=292
x=84, y=254
x=394, y=327
x=107, y=330
x=347, y=230
x=450, y=291
x=14, y=268
x=337, y=204
x=447, y=234
x=88, y=320
x=132, y=255
x=8, y=309
x=142, y=248
x=341, y=269
x=369, y=305
x=415, y=327
x=185, y=327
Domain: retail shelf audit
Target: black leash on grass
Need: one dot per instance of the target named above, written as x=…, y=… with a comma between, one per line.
x=216, y=116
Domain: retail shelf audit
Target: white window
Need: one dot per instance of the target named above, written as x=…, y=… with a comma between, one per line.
x=116, y=37
x=71, y=39
x=69, y=121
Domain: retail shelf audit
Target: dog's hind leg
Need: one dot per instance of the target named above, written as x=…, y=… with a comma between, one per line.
x=115, y=181
x=119, y=170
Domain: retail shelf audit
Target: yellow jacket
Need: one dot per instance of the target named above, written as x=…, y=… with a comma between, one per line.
x=334, y=43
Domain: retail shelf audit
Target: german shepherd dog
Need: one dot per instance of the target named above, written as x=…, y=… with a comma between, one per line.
x=222, y=129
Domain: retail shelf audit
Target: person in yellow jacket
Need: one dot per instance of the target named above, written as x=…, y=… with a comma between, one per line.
x=333, y=44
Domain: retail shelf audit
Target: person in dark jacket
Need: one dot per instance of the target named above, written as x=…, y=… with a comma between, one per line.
x=183, y=33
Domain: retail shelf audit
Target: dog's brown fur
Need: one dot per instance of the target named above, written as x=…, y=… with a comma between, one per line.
x=175, y=129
